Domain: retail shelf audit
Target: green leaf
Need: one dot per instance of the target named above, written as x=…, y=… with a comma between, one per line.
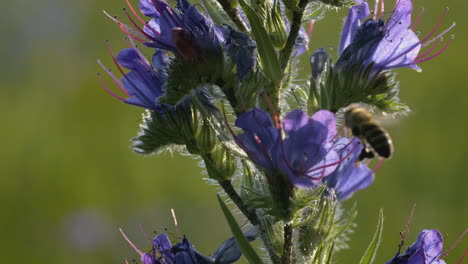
x=265, y=48
x=243, y=243
x=371, y=251
x=217, y=13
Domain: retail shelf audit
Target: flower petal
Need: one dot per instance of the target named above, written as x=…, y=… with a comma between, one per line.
x=353, y=21
x=147, y=8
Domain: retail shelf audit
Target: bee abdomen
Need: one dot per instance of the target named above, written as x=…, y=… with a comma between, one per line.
x=378, y=139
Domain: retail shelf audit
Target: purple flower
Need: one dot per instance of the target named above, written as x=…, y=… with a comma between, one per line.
x=426, y=250
x=306, y=155
x=349, y=177
x=186, y=32
x=164, y=252
x=143, y=84
x=386, y=45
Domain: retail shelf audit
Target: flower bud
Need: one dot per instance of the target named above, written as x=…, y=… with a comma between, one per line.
x=276, y=27
x=220, y=163
x=206, y=139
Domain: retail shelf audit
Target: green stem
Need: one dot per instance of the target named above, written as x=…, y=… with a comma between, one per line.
x=288, y=244
x=297, y=15
x=234, y=15
x=232, y=193
x=251, y=216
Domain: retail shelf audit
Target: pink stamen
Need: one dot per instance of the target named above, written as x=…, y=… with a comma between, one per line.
x=129, y=44
x=454, y=244
x=311, y=28
x=145, y=234
x=337, y=134
x=226, y=122
x=405, y=233
x=336, y=162
x=141, y=20
x=126, y=262
x=432, y=48
x=377, y=166
x=130, y=242
x=464, y=255
x=437, y=53
x=134, y=12
x=111, y=74
x=126, y=29
x=107, y=89
x=176, y=224
x=418, y=18
x=272, y=109
x=137, y=27
x=436, y=27
x=111, y=52
x=376, y=7
x=440, y=35
x=382, y=9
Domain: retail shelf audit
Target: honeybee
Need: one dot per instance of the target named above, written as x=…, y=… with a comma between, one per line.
x=364, y=126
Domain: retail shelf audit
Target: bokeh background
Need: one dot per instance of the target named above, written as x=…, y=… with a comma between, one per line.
x=68, y=179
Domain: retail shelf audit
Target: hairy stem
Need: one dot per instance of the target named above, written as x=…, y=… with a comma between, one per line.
x=297, y=15
x=232, y=193
x=234, y=15
x=288, y=244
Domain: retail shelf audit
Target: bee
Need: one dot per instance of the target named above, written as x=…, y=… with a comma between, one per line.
x=364, y=126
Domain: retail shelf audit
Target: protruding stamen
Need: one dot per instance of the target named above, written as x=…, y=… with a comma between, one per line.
x=137, y=27
x=134, y=12
x=440, y=35
x=111, y=52
x=377, y=166
x=129, y=44
x=336, y=162
x=311, y=28
x=376, y=9
x=111, y=74
x=405, y=233
x=382, y=9
x=418, y=18
x=443, y=255
x=431, y=49
x=107, y=89
x=437, y=53
x=126, y=29
x=436, y=27
x=273, y=111
x=464, y=255
x=126, y=261
x=130, y=242
x=176, y=224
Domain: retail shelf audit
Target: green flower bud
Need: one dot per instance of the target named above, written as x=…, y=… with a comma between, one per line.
x=220, y=163
x=206, y=139
x=276, y=27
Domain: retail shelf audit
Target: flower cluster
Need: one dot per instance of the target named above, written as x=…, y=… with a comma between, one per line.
x=288, y=170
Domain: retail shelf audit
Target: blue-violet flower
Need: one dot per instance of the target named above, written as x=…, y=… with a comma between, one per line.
x=387, y=45
x=349, y=176
x=426, y=250
x=306, y=155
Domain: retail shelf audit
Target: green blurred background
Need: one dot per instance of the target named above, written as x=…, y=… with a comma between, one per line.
x=69, y=180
